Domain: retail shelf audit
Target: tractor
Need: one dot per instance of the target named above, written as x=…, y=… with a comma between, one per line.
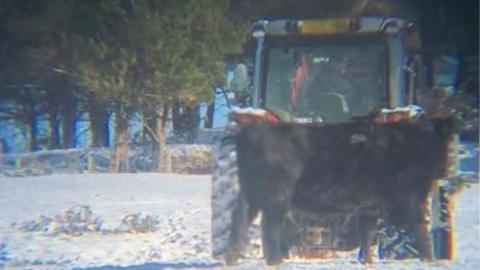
x=325, y=71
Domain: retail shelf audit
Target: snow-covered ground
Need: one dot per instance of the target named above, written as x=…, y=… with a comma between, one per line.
x=93, y=221
x=180, y=204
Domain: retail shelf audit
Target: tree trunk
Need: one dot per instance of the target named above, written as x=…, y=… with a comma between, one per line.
x=106, y=124
x=31, y=133
x=176, y=114
x=185, y=121
x=31, y=125
x=98, y=119
x=68, y=129
x=54, y=140
x=120, y=147
x=149, y=125
x=62, y=106
x=210, y=115
x=158, y=127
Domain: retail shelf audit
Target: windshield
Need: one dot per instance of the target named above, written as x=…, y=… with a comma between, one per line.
x=330, y=82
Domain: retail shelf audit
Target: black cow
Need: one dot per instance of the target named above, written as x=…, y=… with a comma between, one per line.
x=358, y=171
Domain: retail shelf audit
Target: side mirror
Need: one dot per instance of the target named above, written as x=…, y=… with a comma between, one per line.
x=240, y=81
x=240, y=85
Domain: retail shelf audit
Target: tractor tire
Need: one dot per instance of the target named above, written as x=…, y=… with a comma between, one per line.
x=395, y=244
x=442, y=224
x=225, y=190
x=441, y=216
x=399, y=244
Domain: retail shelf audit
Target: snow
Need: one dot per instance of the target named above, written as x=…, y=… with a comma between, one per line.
x=181, y=203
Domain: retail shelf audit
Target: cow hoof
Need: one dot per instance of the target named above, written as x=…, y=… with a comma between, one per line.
x=366, y=261
x=427, y=259
x=275, y=261
x=231, y=260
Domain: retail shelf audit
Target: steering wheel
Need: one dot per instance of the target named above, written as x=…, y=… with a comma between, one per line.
x=330, y=106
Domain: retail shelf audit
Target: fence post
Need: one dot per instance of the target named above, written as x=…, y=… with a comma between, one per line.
x=91, y=163
x=168, y=162
x=18, y=163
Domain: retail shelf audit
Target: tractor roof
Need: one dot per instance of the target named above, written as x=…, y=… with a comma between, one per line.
x=330, y=26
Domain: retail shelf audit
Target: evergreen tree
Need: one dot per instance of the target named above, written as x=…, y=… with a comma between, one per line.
x=151, y=54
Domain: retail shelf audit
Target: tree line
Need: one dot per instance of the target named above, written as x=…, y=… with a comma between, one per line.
x=62, y=57
x=59, y=58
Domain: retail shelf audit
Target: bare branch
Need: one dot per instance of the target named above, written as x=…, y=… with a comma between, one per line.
x=149, y=129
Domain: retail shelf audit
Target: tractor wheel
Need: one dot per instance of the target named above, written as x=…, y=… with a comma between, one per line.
x=398, y=244
x=441, y=224
x=225, y=190
x=394, y=244
x=441, y=221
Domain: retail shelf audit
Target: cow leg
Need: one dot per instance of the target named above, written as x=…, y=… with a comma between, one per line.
x=368, y=233
x=424, y=244
x=238, y=235
x=265, y=242
x=289, y=235
x=420, y=231
x=273, y=240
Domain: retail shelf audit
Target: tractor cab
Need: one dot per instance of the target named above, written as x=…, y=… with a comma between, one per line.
x=332, y=70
